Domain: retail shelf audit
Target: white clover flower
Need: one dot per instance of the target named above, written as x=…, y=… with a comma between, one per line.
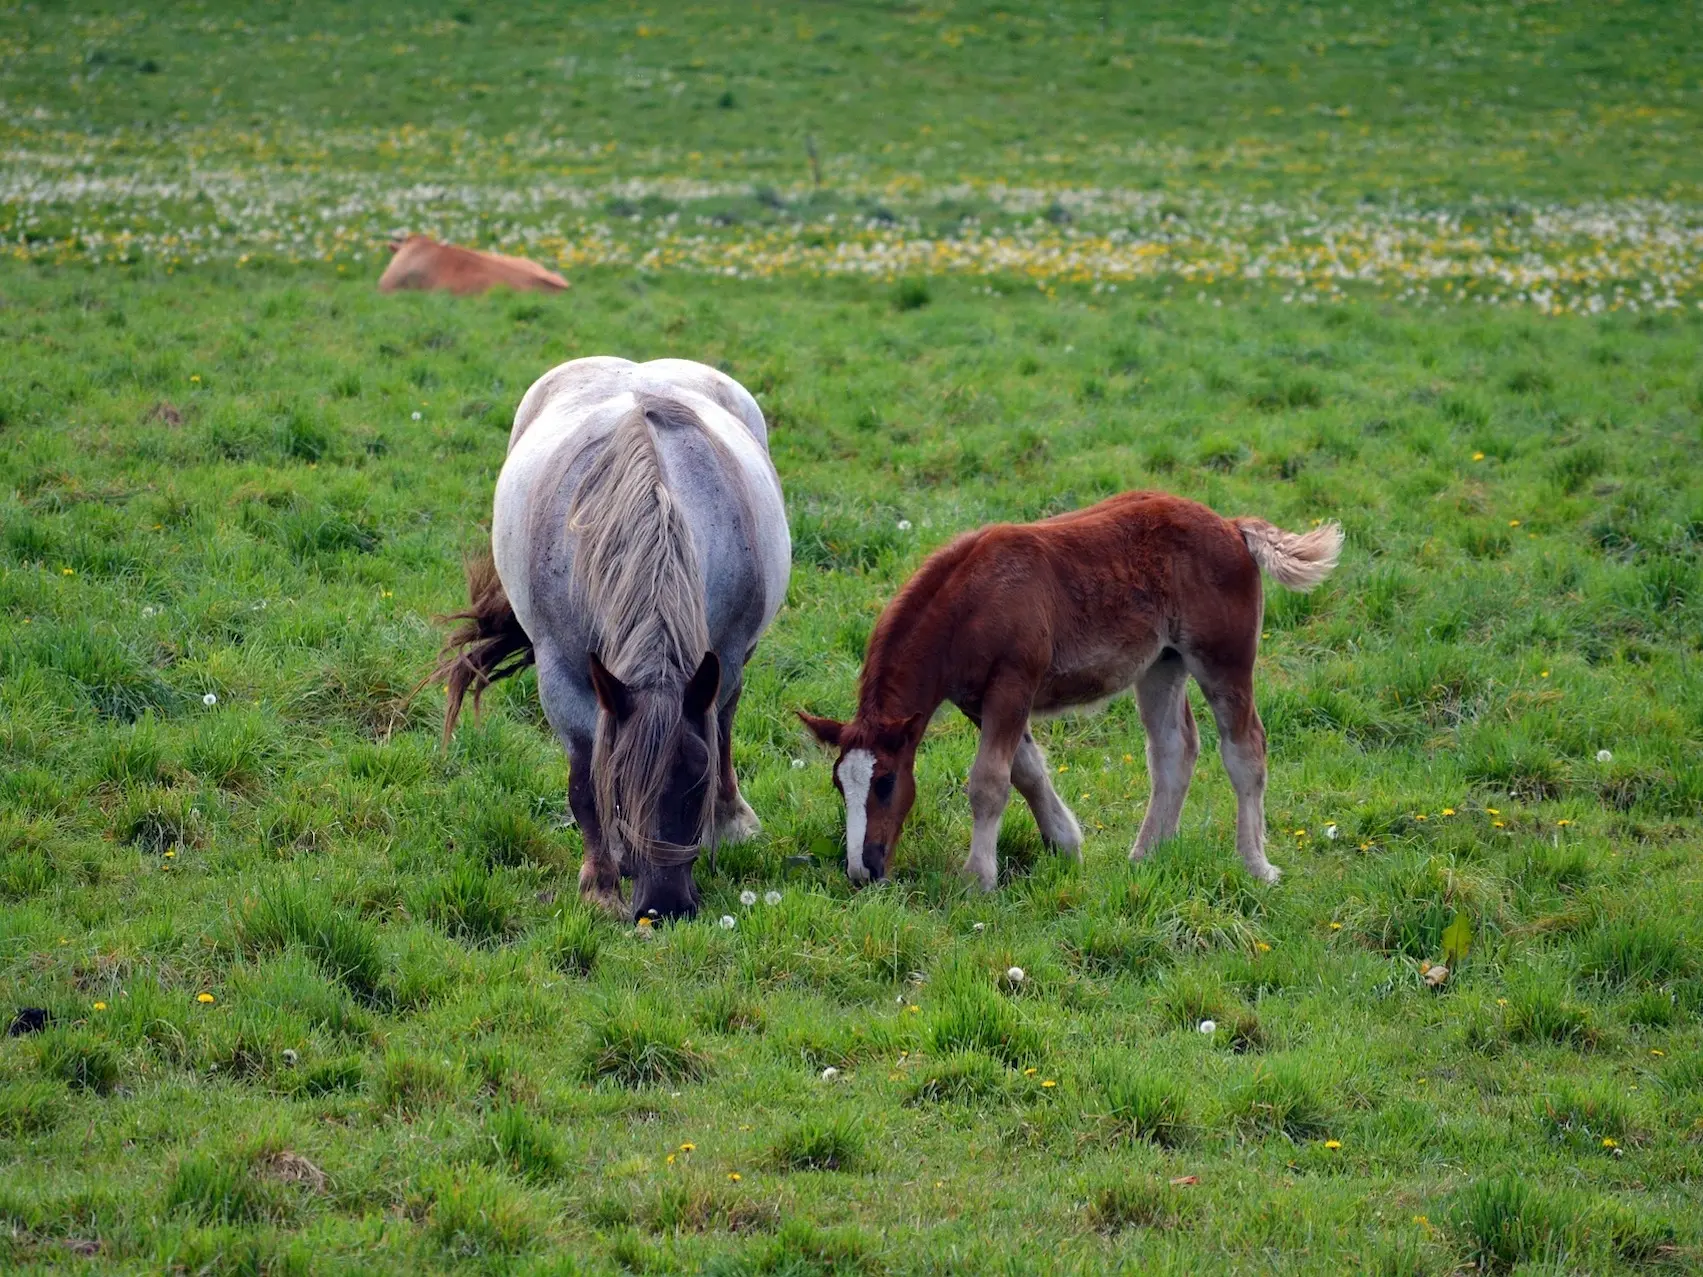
x=980, y=926
x=1015, y=975
x=1330, y=832
x=798, y=764
x=830, y=1073
x=149, y=610
x=772, y=898
x=1603, y=756
x=747, y=898
x=1209, y=1026
x=416, y=416
x=210, y=700
x=904, y=525
x=727, y=923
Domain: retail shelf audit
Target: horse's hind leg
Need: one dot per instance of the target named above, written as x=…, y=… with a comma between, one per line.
x=1241, y=743
x=1057, y=825
x=1172, y=747
x=735, y=822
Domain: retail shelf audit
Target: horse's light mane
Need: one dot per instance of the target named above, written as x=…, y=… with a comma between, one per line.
x=636, y=577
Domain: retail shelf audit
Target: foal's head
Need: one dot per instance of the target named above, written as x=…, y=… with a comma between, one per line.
x=654, y=769
x=875, y=773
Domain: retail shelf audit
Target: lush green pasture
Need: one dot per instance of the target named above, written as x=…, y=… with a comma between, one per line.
x=218, y=488
x=321, y=995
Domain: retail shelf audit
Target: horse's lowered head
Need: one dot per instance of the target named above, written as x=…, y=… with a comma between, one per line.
x=876, y=775
x=655, y=767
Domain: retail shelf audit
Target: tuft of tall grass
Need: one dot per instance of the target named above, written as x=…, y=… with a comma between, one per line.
x=819, y=1144
x=345, y=946
x=523, y=1145
x=635, y=1044
x=972, y=1017
x=1141, y=1103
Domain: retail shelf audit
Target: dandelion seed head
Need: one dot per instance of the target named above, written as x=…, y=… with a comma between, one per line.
x=747, y=898
x=1209, y=1026
x=727, y=922
x=771, y=897
x=1603, y=756
x=1015, y=975
x=210, y=699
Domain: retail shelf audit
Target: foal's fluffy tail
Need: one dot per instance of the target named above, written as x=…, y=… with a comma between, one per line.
x=488, y=644
x=1299, y=560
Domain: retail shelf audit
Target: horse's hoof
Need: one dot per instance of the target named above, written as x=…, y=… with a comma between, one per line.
x=1267, y=872
x=737, y=825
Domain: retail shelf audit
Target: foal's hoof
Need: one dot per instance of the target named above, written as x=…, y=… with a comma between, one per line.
x=737, y=823
x=1266, y=873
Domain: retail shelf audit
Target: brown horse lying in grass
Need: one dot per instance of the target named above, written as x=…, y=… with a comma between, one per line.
x=1142, y=590
x=422, y=262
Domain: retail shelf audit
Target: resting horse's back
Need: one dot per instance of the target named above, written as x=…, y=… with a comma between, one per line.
x=712, y=448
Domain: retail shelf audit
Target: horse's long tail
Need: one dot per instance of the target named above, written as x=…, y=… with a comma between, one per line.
x=488, y=644
x=1299, y=560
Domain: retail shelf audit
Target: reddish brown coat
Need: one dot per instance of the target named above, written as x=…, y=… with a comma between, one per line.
x=1142, y=590
x=422, y=262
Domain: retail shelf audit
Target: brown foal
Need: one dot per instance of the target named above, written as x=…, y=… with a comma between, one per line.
x=1011, y=621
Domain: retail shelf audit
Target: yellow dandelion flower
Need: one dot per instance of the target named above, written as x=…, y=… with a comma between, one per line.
x=1501, y=1002
x=734, y=1176
x=1336, y=926
x=1493, y=811
x=1333, y=1145
x=1499, y=824
x=1261, y=946
x=913, y=1008
x=1049, y=1083
x=1607, y=1142
x=1657, y=1052
x=1513, y=523
x=1562, y=824
x=688, y=1147
x=1448, y=811
x=100, y=1006
x=1030, y=1072
x=1543, y=673
x=195, y=377
x=204, y=998
x=670, y=1159
x=1478, y=456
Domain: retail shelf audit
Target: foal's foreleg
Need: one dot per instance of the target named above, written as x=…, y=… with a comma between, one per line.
x=1173, y=745
x=1056, y=822
x=735, y=822
x=990, y=790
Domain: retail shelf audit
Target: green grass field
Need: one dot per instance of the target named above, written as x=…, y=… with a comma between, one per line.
x=322, y=996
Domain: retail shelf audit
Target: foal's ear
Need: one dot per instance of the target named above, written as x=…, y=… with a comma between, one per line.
x=612, y=693
x=895, y=734
x=700, y=693
x=825, y=730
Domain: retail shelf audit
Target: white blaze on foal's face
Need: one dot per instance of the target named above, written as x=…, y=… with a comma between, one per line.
x=854, y=773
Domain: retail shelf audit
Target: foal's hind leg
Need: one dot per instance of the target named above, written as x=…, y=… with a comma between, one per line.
x=1057, y=825
x=1241, y=743
x=1172, y=747
x=735, y=822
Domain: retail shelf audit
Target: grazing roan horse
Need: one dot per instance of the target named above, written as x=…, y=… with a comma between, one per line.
x=639, y=548
x=1016, y=620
